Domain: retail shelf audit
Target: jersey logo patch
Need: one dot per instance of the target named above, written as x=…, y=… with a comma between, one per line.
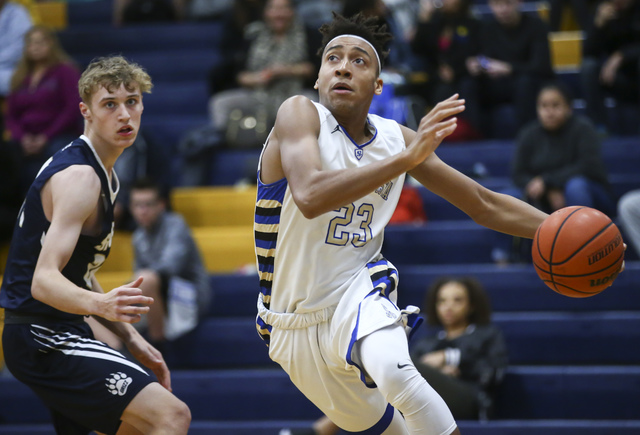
x=118, y=383
x=359, y=153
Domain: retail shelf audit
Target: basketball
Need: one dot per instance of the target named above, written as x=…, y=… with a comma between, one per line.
x=577, y=251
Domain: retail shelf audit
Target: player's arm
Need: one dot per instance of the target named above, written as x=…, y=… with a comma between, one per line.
x=493, y=210
x=137, y=345
x=317, y=191
x=70, y=198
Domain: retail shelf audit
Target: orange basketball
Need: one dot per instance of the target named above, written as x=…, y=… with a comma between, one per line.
x=577, y=251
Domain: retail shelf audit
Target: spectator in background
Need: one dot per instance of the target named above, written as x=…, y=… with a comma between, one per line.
x=629, y=216
x=234, y=46
x=611, y=54
x=42, y=107
x=167, y=257
x=513, y=60
x=558, y=160
x=445, y=38
x=466, y=360
x=14, y=23
x=557, y=163
x=279, y=64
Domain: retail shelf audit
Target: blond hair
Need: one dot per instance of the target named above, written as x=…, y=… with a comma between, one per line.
x=25, y=66
x=111, y=73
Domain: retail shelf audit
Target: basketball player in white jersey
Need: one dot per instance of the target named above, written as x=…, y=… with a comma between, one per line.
x=328, y=182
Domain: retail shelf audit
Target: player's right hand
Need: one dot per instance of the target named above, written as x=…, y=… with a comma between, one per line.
x=125, y=303
x=439, y=123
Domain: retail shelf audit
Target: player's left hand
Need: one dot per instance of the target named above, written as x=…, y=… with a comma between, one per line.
x=151, y=358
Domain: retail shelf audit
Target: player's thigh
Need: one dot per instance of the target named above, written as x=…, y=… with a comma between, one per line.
x=323, y=377
x=80, y=378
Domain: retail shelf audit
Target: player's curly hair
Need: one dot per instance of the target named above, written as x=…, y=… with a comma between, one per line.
x=112, y=72
x=366, y=27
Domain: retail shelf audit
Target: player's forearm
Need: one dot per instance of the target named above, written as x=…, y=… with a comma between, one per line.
x=511, y=216
x=124, y=331
x=53, y=289
x=325, y=191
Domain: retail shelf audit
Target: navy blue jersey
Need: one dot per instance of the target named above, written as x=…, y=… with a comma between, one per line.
x=32, y=226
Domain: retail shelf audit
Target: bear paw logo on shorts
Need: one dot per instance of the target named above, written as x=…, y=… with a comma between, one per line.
x=118, y=383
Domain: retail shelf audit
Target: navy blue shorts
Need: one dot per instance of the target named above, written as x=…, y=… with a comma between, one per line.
x=86, y=384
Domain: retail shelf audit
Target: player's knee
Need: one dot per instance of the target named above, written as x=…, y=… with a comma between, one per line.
x=176, y=417
x=403, y=386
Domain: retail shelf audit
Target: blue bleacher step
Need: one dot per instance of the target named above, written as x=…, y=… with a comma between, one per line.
x=619, y=153
x=570, y=392
x=88, y=39
x=177, y=67
x=528, y=392
x=496, y=427
x=27, y=429
x=531, y=337
x=90, y=13
x=511, y=288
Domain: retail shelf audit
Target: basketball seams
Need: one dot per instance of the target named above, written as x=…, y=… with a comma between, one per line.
x=617, y=260
x=585, y=244
x=581, y=292
x=553, y=245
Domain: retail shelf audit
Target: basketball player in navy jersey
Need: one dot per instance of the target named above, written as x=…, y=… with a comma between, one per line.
x=329, y=179
x=62, y=236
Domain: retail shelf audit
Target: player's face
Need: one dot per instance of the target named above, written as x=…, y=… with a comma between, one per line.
x=452, y=305
x=348, y=75
x=145, y=207
x=553, y=109
x=113, y=117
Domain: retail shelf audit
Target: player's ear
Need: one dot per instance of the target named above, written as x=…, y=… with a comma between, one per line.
x=378, y=89
x=85, y=111
x=315, y=86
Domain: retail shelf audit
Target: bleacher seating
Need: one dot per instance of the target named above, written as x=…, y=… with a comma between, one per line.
x=574, y=367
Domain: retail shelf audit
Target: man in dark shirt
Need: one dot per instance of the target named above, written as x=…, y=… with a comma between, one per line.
x=611, y=54
x=514, y=59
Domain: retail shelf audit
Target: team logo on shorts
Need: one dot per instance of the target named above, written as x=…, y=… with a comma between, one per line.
x=118, y=383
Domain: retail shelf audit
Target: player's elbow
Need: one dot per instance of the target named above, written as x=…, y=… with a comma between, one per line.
x=38, y=288
x=308, y=210
x=485, y=208
x=307, y=203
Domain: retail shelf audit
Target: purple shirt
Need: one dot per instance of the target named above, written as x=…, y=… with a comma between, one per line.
x=50, y=109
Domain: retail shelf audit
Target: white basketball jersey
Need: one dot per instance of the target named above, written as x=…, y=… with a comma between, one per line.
x=306, y=264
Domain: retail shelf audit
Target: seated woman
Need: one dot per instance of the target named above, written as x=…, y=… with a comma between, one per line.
x=42, y=107
x=466, y=359
x=558, y=160
x=557, y=163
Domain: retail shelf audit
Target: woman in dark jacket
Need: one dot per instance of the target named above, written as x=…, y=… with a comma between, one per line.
x=467, y=358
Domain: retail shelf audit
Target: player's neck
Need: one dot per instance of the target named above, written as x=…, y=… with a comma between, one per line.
x=108, y=153
x=356, y=127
